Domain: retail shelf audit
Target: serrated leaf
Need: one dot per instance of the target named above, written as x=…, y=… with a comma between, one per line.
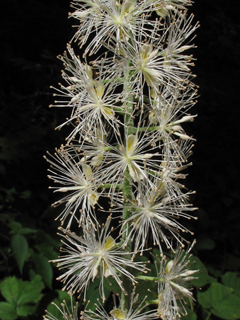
x=25, y=310
x=11, y=289
x=44, y=268
x=31, y=291
x=7, y=311
x=19, y=293
x=19, y=247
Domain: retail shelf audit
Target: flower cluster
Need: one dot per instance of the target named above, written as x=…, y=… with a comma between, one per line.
x=173, y=285
x=125, y=154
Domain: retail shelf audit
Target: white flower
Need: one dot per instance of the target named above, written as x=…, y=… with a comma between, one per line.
x=79, y=182
x=95, y=253
x=66, y=313
x=168, y=112
x=134, y=312
x=98, y=314
x=175, y=58
x=159, y=58
x=166, y=6
x=169, y=109
x=91, y=149
x=174, y=285
x=110, y=23
x=92, y=99
x=132, y=154
x=155, y=213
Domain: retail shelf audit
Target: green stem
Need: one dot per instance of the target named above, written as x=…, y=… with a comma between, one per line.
x=127, y=195
x=147, y=278
x=109, y=185
x=145, y=129
x=209, y=314
x=127, y=284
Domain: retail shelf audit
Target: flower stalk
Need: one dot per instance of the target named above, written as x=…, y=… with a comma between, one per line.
x=126, y=156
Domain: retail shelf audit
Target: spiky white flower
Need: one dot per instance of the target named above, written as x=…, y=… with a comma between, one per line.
x=169, y=110
x=111, y=23
x=90, y=149
x=95, y=253
x=131, y=154
x=98, y=314
x=91, y=98
x=175, y=56
x=159, y=58
x=134, y=312
x=67, y=314
x=79, y=182
x=166, y=6
x=155, y=213
x=174, y=285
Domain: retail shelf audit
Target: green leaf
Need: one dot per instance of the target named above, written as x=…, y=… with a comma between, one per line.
x=27, y=231
x=219, y=293
x=62, y=296
x=19, y=247
x=147, y=288
x=202, y=274
x=48, y=251
x=221, y=301
x=18, y=292
x=190, y=315
x=25, y=310
x=205, y=243
x=31, y=291
x=14, y=226
x=26, y=194
x=229, y=308
x=204, y=298
x=44, y=268
x=47, y=239
x=11, y=289
x=32, y=274
x=93, y=294
x=232, y=279
x=7, y=311
x=111, y=285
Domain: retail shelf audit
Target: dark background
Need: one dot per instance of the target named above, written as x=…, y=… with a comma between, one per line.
x=34, y=32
